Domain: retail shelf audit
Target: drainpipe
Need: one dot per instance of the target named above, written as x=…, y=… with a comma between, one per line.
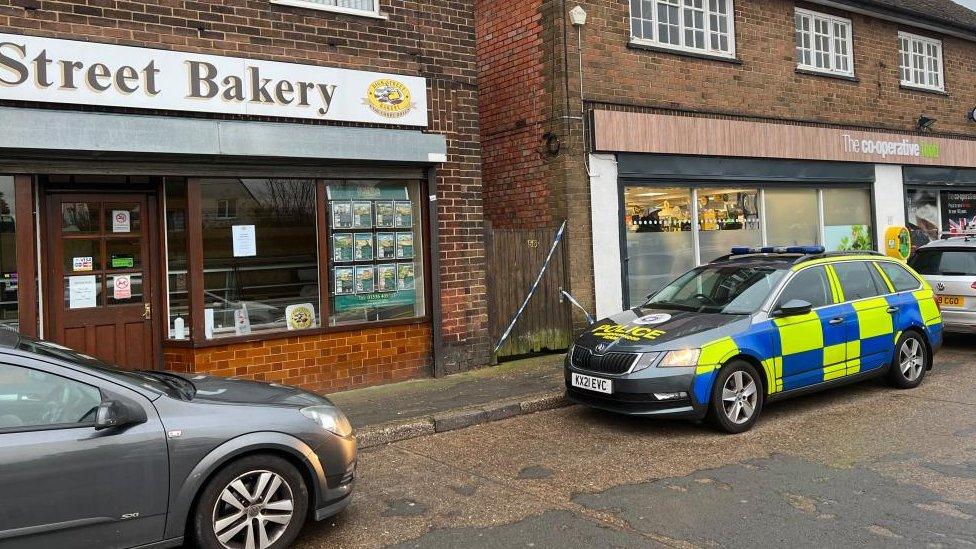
x=436, y=314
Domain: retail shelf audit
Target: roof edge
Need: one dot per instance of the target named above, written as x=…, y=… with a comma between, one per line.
x=906, y=17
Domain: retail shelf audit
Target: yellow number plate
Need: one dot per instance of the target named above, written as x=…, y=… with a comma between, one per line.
x=951, y=301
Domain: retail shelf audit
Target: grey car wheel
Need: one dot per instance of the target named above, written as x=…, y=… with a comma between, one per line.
x=910, y=362
x=256, y=502
x=253, y=511
x=739, y=397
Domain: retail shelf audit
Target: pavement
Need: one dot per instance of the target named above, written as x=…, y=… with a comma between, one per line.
x=864, y=465
x=399, y=411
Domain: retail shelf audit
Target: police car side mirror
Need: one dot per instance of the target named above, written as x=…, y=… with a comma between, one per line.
x=793, y=307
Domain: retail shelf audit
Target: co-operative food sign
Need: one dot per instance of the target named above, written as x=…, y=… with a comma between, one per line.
x=66, y=71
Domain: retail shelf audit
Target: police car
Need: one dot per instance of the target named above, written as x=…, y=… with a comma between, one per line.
x=758, y=325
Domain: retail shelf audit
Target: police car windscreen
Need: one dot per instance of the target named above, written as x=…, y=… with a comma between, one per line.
x=727, y=289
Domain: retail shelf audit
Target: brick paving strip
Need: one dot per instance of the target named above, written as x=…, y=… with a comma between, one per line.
x=409, y=409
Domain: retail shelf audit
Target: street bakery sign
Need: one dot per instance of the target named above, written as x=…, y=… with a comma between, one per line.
x=65, y=71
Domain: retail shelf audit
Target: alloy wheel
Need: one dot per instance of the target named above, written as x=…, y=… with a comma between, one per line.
x=911, y=359
x=253, y=511
x=739, y=397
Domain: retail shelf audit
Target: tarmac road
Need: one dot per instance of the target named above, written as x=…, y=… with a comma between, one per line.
x=864, y=465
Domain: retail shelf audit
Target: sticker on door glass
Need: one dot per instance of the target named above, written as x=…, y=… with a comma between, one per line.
x=121, y=221
x=122, y=287
x=81, y=264
x=82, y=292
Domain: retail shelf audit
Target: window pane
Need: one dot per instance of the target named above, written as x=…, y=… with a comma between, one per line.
x=79, y=217
x=923, y=215
x=176, y=249
x=847, y=219
x=856, y=280
x=365, y=5
x=945, y=262
x=810, y=285
x=8, y=255
x=727, y=218
x=376, y=251
x=792, y=217
x=660, y=243
x=261, y=266
x=899, y=276
x=31, y=398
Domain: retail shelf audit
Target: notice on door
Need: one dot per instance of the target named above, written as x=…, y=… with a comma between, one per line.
x=82, y=292
x=122, y=287
x=121, y=221
x=245, y=243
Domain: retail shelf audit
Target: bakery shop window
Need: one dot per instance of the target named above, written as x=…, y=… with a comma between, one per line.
x=376, y=253
x=260, y=265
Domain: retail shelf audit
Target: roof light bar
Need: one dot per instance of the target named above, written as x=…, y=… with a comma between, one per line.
x=805, y=250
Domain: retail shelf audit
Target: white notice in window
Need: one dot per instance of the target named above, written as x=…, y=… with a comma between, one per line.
x=82, y=292
x=245, y=244
x=121, y=221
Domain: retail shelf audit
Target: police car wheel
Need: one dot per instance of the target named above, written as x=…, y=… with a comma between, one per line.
x=737, y=398
x=910, y=362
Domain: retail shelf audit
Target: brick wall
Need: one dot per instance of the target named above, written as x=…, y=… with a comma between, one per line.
x=432, y=38
x=323, y=363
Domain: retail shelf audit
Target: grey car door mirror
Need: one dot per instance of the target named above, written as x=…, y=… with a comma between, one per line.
x=116, y=413
x=793, y=307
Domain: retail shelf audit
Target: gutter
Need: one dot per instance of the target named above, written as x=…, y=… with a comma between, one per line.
x=900, y=16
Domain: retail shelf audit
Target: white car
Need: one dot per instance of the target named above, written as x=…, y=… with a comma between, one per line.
x=949, y=266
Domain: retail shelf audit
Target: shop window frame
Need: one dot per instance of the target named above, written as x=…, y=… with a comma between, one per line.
x=695, y=186
x=195, y=279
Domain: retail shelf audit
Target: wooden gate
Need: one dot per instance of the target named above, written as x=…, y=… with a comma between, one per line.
x=514, y=259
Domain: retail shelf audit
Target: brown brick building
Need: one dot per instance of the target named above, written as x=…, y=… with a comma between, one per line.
x=667, y=131
x=287, y=190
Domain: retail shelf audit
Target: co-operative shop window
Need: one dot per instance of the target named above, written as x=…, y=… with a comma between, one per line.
x=847, y=220
x=660, y=240
x=261, y=266
x=823, y=43
x=727, y=217
x=921, y=62
x=9, y=281
x=376, y=269
x=700, y=26
x=368, y=8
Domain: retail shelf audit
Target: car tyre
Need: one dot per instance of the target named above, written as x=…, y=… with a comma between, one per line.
x=737, y=398
x=261, y=496
x=911, y=361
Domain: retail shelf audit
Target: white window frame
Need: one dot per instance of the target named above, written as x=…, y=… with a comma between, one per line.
x=832, y=21
x=374, y=13
x=925, y=42
x=707, y=50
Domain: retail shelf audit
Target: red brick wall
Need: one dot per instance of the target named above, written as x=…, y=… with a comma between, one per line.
x=514, y=113
x=323, y=363
x=430, y=38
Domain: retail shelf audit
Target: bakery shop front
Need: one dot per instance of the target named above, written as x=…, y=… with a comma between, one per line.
x=156, y=213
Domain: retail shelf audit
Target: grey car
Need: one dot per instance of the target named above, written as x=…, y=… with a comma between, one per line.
x=949, y=266
x=96, y=456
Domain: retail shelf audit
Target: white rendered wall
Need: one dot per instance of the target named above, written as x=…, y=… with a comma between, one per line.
x=889, y=199
x=605, y=212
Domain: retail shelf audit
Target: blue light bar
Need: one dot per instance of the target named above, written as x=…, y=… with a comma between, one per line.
x=805, y=250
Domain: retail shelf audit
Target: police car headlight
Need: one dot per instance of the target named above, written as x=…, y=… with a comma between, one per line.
x=685, y=358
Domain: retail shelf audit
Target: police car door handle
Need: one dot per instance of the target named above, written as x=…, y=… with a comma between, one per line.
x=836, y=321
x=892, y=310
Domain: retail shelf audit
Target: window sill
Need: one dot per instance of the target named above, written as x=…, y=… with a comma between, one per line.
x=331, y=9
x=270, y=336
x=825, y=74
x=634, y=44
x=922, y=89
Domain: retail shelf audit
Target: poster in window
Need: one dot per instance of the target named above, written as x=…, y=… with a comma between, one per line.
x=341, y=215
x=385, y=215
x=345, y=283
x=405, y=276
x=923, y=215
x=386, y=278
x=342, y=247
x=404, y=245
x=245, y=241
x=385, y=245
x=362, y=214
x=404, y=214
x=365, y=275
x=959, y=212
x=364, y=246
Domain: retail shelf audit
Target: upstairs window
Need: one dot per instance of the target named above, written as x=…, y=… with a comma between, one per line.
x=699, y=26
x=824, y=43
x=368, y=8
x=921, y=62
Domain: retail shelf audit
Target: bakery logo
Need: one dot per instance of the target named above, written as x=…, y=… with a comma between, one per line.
x=389, y=98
